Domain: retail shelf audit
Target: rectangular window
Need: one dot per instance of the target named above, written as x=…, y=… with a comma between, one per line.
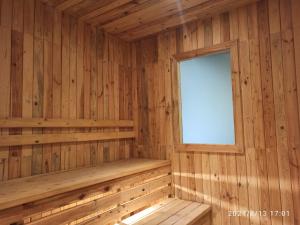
x=206, y=100
x=209, y=100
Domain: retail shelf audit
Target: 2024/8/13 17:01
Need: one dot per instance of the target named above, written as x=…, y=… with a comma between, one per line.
x=253, y=213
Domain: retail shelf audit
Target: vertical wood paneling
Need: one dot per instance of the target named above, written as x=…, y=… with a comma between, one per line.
x=296, y=30
x=135, y=105
x=266, y=176
x=55, y=67
x=16, y=84
x=100, y=86
x=241, y=197
x=48, y=77
x=56, y=85
x=216, y=176
x=38, y=83
x=122, y=106
x=225, y=187
x=105, y=76
x=230, y=193
x=189, y=43
x=110, y=87
x=295, y=6
x=5, y=74
x=26, y=160
x=280, y=112
x=115, y=89
x=129, y=98
x=52, y=67
x=80, y=87
x=87, y=87
x=65, y=81
x=93, y=93
x=247, y=86
x=72, y=86
x=258, y=117
x=291, y=99
x=268, y=110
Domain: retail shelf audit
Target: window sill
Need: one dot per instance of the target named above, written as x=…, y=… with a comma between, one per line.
x=231, y=149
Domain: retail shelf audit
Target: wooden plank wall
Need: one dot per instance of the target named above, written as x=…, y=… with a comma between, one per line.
x=53, y=66
x=266, y=176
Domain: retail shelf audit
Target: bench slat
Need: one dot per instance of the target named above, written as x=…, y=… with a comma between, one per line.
x=112, y=216
x=145, y=214
x=37, y=139
x=24, y=190
x=166, y=208
x=59, y=123
x=194, y=215
x=173, y=212
x=162, y=216
x=105, y=203
x=182, y=213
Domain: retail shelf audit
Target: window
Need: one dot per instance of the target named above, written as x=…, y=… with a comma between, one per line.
x=210, y=109
x=206, y=100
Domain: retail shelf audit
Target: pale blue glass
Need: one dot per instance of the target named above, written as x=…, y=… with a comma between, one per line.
x=206, y=97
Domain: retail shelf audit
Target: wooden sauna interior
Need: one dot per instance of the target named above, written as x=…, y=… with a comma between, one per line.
x=90, y=113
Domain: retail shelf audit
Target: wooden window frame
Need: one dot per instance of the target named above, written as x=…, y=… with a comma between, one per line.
x=238, y=147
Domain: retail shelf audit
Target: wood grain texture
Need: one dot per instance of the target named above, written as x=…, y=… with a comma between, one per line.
x=108, y=171
x=45, y=60
x=56, y=123
x=36, y=139
x=232, y=48
x=5, y=74
x=73, y=196
x=172, y=211
x=269, y=86
x=57, y=67
x=134, y=19
x=27, y=82
x=16, y=82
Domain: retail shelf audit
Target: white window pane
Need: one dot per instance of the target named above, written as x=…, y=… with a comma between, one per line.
x=206, y=97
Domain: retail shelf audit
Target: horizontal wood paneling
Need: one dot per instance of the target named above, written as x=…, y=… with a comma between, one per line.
x=266, y=176
x=54, y=67
x=56, y=123
x=36, y=139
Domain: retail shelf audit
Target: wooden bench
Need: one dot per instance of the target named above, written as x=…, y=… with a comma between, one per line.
x=172, y=212
x=110, y=192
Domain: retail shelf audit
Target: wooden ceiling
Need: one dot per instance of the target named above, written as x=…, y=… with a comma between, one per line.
x=134, y=19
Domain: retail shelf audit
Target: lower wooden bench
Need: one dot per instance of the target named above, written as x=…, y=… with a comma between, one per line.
x=111, y=192
x=172, y=212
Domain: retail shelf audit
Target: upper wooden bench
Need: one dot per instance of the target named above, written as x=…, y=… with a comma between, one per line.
x=116, y=183
x=172, y=212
